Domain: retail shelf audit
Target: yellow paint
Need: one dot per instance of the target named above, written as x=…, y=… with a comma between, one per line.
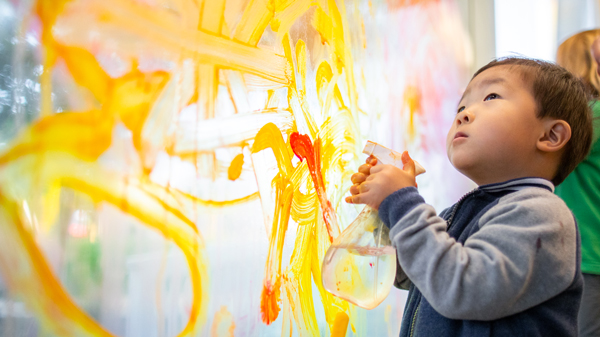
x=48, y=11
x=334, y=142
x=62, y=150
x=326, y=88
x=270, y=137
x=340, y=325
x=104, y=187
x=412, y=103
x=235, y=168
x=386, y=318
x=388, y=311
x=85, y=70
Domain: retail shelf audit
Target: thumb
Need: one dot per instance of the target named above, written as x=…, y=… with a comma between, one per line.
x=408, y=164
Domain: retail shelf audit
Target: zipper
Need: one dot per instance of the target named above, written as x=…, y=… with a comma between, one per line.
x=456, y=206
x=414, y=318
x=448, y=224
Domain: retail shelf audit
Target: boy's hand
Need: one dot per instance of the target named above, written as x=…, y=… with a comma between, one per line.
x=372, y=184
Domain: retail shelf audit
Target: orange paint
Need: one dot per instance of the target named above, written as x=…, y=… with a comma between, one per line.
x=269, y=298
x=86, y=71
x=48, y=11
x=131, y=97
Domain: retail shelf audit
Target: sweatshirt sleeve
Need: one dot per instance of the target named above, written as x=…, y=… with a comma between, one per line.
x=396, y=204
x=523, y=254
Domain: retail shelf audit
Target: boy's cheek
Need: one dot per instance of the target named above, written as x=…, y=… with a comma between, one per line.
x=452, y=156
x=449, y=140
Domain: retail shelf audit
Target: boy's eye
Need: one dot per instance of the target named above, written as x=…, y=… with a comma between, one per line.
x=460, y=109
x=491, y=96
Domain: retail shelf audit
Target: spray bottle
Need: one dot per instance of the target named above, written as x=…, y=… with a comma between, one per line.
x=360, y=264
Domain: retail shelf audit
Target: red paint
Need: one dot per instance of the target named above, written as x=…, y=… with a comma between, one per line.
x=304, y=149
x=371, y=264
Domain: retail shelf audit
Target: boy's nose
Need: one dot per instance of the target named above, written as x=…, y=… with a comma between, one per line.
x=464, y=117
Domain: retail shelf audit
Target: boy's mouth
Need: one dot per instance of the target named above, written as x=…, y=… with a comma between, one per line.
x=460, y=135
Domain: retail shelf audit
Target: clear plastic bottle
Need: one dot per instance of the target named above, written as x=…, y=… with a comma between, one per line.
x=360, y=264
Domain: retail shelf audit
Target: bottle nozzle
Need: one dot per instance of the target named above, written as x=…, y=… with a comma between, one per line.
x=388, y=156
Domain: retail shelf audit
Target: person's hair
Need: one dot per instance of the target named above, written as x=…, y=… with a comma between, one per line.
x=575, y=55
x=560, y=95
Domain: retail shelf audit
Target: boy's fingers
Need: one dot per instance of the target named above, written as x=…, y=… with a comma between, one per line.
x=371, y=160
x=409, y=164
x=355, y=199
x=376, y=169
x=364, y=187
x=364, y=169
x=354, y=189
x=358, y=178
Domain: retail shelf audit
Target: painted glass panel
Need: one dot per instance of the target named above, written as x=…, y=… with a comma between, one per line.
x=178, y=167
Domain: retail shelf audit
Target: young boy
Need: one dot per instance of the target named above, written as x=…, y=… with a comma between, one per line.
x=504, y=260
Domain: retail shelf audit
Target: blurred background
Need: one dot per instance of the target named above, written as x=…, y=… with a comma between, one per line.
x=534, y=28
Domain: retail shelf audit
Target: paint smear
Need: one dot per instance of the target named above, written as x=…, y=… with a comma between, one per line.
x=340, y=325
x=304, y=149
x=235, y=168
x=215, y=58
x=270, y=137
x=412, y=103
x=223, y=324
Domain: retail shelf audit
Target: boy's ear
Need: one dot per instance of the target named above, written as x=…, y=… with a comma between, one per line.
x=556, y=135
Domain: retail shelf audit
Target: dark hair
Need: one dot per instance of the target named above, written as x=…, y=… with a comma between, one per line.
x=559, y=95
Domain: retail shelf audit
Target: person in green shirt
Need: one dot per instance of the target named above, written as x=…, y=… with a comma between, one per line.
x=580, y=54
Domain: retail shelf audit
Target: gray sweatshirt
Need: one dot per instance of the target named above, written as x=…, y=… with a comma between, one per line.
x=503, y=249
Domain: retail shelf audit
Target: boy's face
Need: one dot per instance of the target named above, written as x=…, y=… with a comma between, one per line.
x=495, y=130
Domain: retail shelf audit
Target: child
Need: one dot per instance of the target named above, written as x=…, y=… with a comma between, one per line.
x=580, y=55
x=504, y=260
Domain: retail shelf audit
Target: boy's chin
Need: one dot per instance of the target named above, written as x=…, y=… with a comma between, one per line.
x=463, y=166
x=461, y=162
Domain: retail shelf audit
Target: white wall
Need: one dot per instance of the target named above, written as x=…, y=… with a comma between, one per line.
x=535, y=28
x=478, y=19
x=526, y=27
x=575, y=16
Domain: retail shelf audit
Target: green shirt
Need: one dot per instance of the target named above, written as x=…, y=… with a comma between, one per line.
x=581, y=192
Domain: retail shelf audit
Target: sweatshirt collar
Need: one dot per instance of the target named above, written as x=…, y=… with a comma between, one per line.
x=518, y=184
